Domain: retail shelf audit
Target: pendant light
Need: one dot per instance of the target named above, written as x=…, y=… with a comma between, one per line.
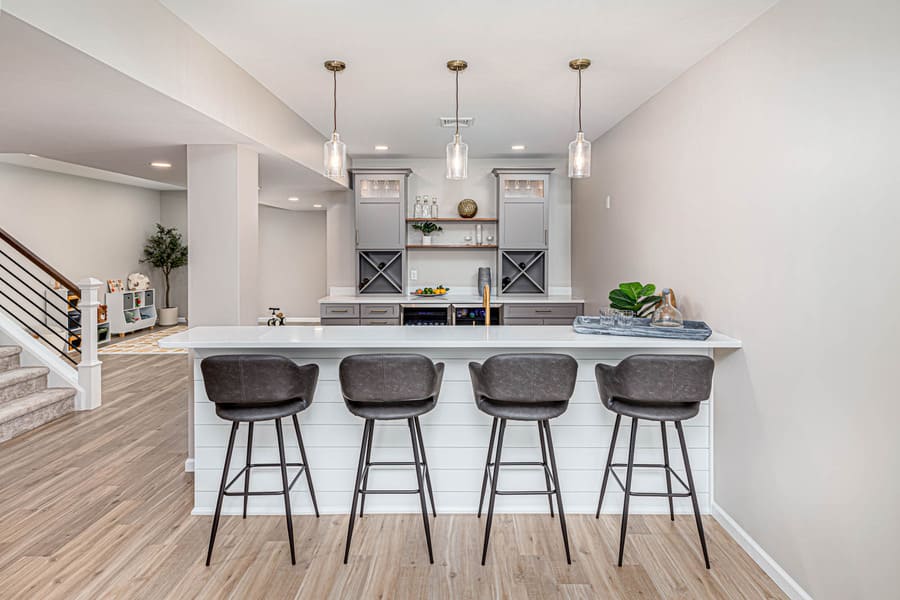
x=335, y=149
x=457, y=150
x=579, y=148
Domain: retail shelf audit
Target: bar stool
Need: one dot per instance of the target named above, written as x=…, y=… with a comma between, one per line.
x=656, y=388
x=384, y=387
x=523, y=387
x=253, y=388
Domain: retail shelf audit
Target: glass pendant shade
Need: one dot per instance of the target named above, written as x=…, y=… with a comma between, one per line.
x=457, y=159
x=579, y=157
x=335, y=156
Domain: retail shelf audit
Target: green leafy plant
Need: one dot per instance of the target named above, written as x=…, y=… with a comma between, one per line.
x=427, y=227
x=636, y=297
x=166, y=251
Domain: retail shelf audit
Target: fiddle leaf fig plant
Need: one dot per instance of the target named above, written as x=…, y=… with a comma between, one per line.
x=636, y=297
x=166, y=251
x=427, y=227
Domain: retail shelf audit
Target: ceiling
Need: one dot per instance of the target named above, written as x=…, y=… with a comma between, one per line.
x=518, y=86
x=71, y=110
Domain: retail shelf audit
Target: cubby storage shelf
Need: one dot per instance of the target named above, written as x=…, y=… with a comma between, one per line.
x=451, y=220
x=523, y=271
x=380, y=271
x=452, y=247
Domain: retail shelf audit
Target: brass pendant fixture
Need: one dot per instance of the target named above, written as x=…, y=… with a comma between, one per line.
x=579, y=148
x=335, y=149
x=457, y=150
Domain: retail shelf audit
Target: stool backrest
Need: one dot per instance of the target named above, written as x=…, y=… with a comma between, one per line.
x=531, y=377
x=257, y=379
x=657, y=378
x=390, y=378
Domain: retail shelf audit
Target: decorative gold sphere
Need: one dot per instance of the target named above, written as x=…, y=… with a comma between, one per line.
x=467, y=208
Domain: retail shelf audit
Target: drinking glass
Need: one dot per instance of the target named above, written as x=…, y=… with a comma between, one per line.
x=607, y=316
x=624, y=318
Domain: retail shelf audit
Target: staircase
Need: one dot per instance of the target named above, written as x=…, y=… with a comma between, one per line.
x=25, y=400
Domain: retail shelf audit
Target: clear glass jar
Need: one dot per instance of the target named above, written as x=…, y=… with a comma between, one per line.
x=666, y=315
x=417, y=212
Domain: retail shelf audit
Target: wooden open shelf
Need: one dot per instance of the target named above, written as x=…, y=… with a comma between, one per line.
x=452, y=247
x=451, y=220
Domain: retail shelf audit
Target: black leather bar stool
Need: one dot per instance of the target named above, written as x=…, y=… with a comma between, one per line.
x=253, y=388
x=656, y=388
x=523, y=387
x=382, y=387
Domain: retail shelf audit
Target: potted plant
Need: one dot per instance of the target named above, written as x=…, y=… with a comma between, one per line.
x=634, y=296
x=427, y=228
x=166, y=251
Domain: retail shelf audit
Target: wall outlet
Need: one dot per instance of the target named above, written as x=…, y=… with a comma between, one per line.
x=413, y=275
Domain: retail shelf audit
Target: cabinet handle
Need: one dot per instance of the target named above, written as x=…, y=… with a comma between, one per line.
x=380, y=311
x=543, y=310
x=342, y=310
x=545, y=237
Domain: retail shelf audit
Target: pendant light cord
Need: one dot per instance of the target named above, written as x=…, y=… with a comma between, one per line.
x=335, y=102
x=457, y=102
x=579, y=101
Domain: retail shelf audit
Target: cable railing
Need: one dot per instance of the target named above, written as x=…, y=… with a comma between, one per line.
x=50, y=313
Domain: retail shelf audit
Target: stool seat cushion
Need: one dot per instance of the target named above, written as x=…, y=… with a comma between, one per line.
x=520, y=411
x=653, y=411
x=261, y=412
x=391, y=410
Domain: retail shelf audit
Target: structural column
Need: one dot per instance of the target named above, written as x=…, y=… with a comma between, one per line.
x=223, y=234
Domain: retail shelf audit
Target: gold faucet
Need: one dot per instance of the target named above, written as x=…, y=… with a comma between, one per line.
x=486, y=303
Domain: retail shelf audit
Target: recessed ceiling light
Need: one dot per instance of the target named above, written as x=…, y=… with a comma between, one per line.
x=161, y=164
x=293, y=199
x=518, y=147
x=317, y=206
x=381, y=147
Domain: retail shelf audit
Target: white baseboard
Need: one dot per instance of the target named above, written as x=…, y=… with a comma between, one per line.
x=781, y=578
x=182, y=320
x=189, y=465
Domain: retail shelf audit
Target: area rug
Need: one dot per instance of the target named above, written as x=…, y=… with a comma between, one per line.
x=147, y=343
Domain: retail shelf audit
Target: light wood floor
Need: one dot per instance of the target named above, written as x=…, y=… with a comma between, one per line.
x=96, y=505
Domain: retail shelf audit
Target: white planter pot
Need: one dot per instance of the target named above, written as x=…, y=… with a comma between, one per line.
x=426, y=240
x=167, y=316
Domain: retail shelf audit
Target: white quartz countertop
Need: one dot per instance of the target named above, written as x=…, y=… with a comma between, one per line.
x=450, y=298
x=353, y=337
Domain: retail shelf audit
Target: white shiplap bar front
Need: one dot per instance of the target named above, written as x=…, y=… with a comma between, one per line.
x=456, y=433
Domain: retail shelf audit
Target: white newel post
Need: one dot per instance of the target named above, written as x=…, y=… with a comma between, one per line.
x=89, y=367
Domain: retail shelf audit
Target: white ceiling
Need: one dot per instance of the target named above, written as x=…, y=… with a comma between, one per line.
x=518, y=86
x=71, y=110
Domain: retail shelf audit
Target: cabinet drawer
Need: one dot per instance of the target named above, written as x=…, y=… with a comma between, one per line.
x=522, y=321
x=542, y=311
x=381, y=311
x=559, y=321
x=340, y=310
x=350, y=321
x=376, y=321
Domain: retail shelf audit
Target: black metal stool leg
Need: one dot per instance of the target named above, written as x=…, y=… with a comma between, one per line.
x=544, y=461
x=247, y=472
x=425, y=464
x=312, y=490
x=359, y=469
x=416, y=459
x=215, y=524
x=665, y=443
x=690, y=478
x=559, y=502
x=490, y=515
x=487, y=464
x=609, y=459
x=365, y=481
x=634, y=428
x=287, y=490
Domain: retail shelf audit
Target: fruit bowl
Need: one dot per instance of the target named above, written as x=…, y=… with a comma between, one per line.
x=429, y=291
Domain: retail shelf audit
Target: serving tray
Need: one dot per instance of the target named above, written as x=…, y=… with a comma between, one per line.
x=692, y=330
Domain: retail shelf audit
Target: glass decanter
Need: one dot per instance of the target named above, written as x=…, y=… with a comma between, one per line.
x=666, y=315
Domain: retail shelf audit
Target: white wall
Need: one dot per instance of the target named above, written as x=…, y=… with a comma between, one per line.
x=762, y=186
x=82, y=227
x=291, y=261
x=173, y=213
x=458, y=268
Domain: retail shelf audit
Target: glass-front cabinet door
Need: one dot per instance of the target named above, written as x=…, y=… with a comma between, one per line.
x=380, y=208
x=523, y=209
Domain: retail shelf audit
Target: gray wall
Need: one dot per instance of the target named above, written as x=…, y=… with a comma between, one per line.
x=173, y=213
x=83, y=227
x=762, y=186
x=291, y=261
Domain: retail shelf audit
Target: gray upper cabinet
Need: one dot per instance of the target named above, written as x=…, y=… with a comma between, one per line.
x=522, y=196
x=380, y=208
